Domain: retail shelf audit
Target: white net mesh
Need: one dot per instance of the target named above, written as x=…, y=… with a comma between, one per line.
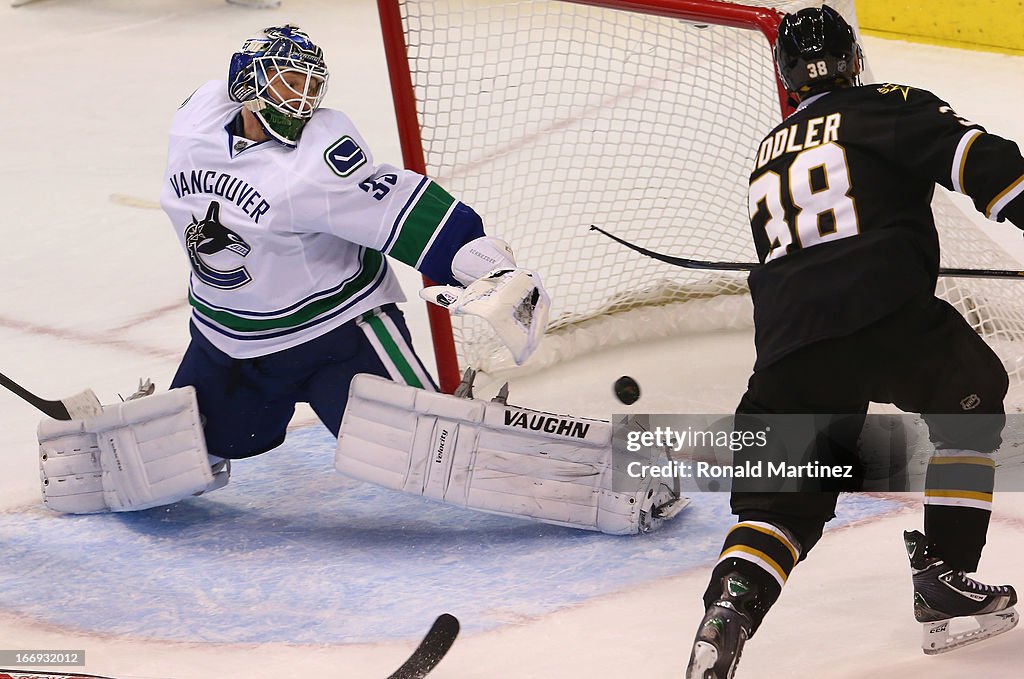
x=550, y=116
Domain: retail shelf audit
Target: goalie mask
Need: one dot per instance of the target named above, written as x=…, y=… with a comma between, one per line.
x=817, y=50
x=281, y=77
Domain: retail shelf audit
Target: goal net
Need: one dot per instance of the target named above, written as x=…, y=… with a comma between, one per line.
x=638, y=116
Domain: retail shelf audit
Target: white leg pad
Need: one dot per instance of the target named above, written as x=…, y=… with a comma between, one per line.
x=134, y=455
x=492, y=457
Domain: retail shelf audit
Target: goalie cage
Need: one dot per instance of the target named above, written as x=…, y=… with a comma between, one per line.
x=640, y=116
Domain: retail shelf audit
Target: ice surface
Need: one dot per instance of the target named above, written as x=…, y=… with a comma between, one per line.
x=293, y=570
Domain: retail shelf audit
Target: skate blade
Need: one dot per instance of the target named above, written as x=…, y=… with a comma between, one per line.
x=702, y=661
x=937, y=638
x=671, y=508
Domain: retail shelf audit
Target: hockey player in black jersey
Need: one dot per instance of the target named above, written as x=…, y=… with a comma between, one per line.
x=845, y=313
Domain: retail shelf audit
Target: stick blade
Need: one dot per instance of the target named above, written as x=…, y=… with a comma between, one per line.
x=431, y=650
x=55, y=409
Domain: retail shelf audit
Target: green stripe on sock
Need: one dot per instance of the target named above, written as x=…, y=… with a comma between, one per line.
x=392, y=350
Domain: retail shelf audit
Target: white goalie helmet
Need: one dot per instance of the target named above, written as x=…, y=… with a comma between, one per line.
x=280, y=76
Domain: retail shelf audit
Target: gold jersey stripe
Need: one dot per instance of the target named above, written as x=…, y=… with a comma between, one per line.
x=998, y=203
x=971, y=136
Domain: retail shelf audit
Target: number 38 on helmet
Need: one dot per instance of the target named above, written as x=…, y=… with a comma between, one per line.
x=817, y=50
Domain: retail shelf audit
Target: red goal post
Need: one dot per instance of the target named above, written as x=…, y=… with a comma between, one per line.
x=762, y=19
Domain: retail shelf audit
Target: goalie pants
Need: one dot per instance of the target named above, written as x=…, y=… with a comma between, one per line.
x=246, y=404
x=924, y=359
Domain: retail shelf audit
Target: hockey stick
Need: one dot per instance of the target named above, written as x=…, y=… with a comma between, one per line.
x=749, y=266
x=55, y=409
x=80, y=405
x=431, y=650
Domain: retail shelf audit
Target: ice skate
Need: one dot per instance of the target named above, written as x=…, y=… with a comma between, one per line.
x=723, y=631
x=943, y=594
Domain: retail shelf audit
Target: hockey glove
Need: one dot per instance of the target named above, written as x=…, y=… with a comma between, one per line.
x=512, y=300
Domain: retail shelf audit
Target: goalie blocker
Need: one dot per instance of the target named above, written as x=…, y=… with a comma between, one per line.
x=496, y=458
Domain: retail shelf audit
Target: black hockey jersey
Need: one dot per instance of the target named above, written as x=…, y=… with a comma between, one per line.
x=840, y=208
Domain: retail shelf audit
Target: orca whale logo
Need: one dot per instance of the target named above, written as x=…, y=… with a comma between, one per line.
x=207, y=236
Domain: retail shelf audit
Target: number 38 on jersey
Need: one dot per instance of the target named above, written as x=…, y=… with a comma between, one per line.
x=807, y=203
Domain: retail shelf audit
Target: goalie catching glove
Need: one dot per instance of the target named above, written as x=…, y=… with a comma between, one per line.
x=511, y=299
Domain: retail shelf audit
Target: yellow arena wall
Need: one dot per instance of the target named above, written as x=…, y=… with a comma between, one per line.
x=992, y=25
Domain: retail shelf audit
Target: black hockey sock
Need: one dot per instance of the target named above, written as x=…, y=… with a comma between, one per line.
x=958, y=504
x=764, y=554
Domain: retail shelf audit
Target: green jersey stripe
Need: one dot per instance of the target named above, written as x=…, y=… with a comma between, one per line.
x=423, y=220
x=372, y=263
x=393, y=351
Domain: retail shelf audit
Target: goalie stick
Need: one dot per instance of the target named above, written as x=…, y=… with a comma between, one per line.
x=58, y=410
x=425, y=658
x=749, y=266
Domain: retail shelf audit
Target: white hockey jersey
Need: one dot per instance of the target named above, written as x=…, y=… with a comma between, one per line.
x=286, y=244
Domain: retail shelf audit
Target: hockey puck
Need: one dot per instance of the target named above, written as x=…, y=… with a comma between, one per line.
x=627, y=390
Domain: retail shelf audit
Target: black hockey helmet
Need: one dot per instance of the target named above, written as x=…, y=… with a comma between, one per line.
x=817, y=50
